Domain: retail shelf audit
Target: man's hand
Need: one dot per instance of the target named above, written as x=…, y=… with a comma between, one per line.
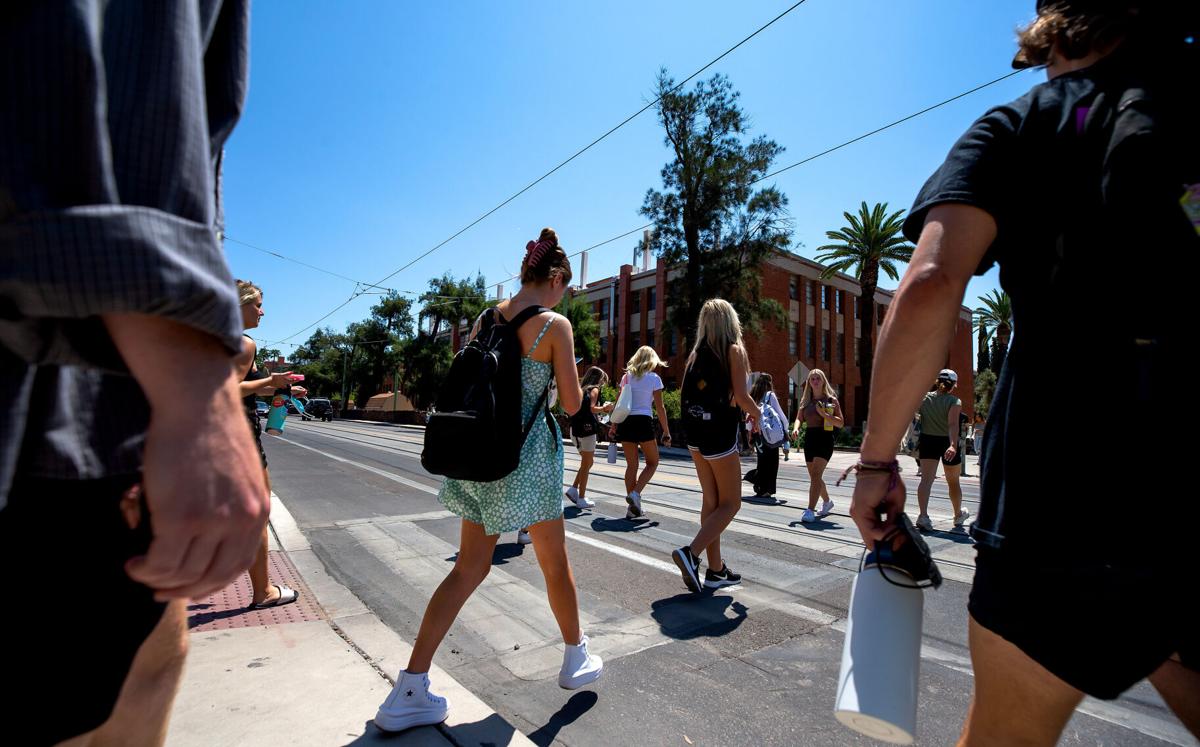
x=872, y=499
x=202, y=477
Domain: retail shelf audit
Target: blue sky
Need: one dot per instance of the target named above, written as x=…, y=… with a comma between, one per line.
x=375, y=132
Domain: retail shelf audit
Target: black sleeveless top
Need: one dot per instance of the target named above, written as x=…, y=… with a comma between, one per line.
x=250, y=401
x=707, y=388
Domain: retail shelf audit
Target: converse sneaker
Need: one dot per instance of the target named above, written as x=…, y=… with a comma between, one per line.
x=725, y=578
x=411, y=704
x=826, y=508
x=689, y=566
x=809, y=516
x=924, y=524
x=634, y=499
x=523, y=537
x=962, y=517
x=579, y=501
x=579, y=668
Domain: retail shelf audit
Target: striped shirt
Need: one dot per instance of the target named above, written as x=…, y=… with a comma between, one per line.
x=112, y=120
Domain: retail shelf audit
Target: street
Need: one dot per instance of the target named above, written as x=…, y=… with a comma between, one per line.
x=755, y=664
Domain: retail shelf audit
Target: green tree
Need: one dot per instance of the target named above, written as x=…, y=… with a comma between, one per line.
x=996, y=316
x=708, y=217
x=320, y=360
x=426, y=361
x=985, y=389
x=984, y=360
x=587, y=330
x=449, y=301
x=265, y=355
x=872, y=242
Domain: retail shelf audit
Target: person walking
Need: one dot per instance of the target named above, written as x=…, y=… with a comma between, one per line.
x=939, y=409
x=766, y=471
x=822, y=414
x=255, y=382
x=715, y=383
x=1085, y=172
x=636, y=432
x=584, y=430
x=963, y=423
x=530, y=496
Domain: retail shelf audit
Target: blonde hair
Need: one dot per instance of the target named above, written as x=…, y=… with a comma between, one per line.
x=806, y=397
x=720, y=327
x=643, y=362
x=248, y=292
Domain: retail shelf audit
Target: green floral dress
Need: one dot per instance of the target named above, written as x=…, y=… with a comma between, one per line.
x=533, y=491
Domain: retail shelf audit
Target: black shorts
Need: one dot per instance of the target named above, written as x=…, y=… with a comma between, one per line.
x=636, y=429
x=713, y=439
x=934, y=447
x=818, y=443
x=63, y=547
x=1099, y=627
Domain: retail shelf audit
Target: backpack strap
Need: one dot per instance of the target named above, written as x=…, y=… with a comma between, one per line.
x=525, y=315
x=539, y=337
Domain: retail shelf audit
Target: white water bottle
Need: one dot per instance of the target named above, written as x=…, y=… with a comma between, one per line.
x=612, y=452
x=881, y=657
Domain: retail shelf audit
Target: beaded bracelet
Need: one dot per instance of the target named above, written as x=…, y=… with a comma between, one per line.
x=892, y=468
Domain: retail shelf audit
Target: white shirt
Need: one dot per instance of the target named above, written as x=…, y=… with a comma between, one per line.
x=642, y=391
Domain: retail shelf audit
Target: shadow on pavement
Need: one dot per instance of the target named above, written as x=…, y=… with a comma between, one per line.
x=602, y=524
x=501, y=554
x=958, y=535
x=578, y=704
x=819, y=525
x=195, y=621
x=687, y=616
x=764, y=500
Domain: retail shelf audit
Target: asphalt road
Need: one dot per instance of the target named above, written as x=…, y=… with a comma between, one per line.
x=749, y=665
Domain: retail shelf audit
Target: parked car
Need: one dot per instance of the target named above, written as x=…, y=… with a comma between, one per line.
x=319, y=408
x=262, y=408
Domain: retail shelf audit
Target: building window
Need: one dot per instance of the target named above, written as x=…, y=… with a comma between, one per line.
x=651, y=303
x=857, y=307
x=825, y=345
x=603, y=348
x=810, y=347
x=650, y=337
x=793, y=289
x=603, y=309
x=792, y=339
x=824, y=296
x=635, y=342
x=837, y=299
x=841, y=347
x=808, y=293
x=671, y=338
x=635, y=302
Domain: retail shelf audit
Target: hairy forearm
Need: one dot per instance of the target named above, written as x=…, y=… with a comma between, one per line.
x=913, y=343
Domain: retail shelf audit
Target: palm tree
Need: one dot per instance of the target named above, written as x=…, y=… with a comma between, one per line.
x=872, y=242
x=995, y=318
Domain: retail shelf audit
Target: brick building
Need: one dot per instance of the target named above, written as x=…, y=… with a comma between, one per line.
x=821, y=330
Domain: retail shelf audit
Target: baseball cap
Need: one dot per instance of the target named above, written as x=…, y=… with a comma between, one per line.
x=948, y=375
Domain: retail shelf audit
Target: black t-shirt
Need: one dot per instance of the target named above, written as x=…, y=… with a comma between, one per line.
x=1029, y=165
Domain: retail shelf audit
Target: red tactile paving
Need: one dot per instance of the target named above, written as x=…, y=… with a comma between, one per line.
x=227, y=608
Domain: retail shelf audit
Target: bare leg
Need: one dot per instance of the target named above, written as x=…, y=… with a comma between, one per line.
x=729, y=501
x=650, y=449
x=1016, y=702
x=585, y=467
x=709, y=498
x=474, y=561
x=144, y=706
x=631, y=465
x=1180, y=688
x=550, y=543
x=819, y=466
x=952, y=473
x=928, y=475
x=814, y=484
x=260, y=583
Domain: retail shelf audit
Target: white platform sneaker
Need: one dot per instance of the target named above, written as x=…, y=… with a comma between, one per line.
x=411, y=704
x=579, y=668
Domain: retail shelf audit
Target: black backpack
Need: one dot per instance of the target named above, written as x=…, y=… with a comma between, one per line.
x=584, y=422
x=479, y=406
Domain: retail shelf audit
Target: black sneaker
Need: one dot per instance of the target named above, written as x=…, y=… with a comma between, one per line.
x=725, y=578
x=689, y=566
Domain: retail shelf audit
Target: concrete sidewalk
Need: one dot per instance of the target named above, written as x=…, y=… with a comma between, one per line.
x=308, y=673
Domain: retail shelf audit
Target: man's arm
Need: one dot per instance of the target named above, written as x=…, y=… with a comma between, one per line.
x=201, y=473
x=913, y=343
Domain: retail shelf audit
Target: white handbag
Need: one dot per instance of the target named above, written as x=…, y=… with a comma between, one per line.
x=623, y=406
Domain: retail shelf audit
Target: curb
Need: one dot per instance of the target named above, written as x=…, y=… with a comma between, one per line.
x=472, y=723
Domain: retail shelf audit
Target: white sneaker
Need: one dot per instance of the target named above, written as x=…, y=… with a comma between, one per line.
x=962, y=517
x=826, y=508
x=411, y=704
x=580, y=502
x=634, y=499
x=809, y=516
x=523, y=537
x=579, y=668
x=924, y=524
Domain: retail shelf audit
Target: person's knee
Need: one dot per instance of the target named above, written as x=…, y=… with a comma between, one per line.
x=651, y=463
x=470, y=575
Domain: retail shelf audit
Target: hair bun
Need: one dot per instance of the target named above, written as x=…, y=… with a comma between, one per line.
x=548, y=234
